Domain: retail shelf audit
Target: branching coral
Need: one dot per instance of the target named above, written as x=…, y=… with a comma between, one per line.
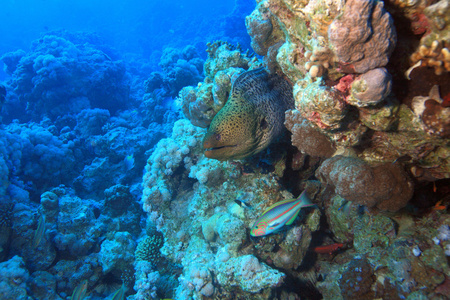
x=434, y=47
x=148, y=248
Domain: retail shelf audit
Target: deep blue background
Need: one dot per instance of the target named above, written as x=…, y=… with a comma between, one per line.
x=140, y=27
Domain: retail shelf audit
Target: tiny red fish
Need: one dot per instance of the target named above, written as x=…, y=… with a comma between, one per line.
x=446, y=100
x=328, y=249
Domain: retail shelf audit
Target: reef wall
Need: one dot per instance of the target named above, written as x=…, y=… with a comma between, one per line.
x=365, y=152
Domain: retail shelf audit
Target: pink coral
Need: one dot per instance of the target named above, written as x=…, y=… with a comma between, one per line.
x=364, y=36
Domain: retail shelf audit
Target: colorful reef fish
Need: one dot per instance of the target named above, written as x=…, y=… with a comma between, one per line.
x=328, y=249
x=39, y=233
x=280, y=214
x=80, y=291
x=120, y=293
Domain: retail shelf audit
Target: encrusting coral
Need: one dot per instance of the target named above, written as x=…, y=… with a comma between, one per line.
x=363, y=37
x=434, y=116
x=306, y=138
x=336, y=55
x=386, y=186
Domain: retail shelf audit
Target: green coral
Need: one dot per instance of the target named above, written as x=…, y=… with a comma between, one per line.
x=148, y=248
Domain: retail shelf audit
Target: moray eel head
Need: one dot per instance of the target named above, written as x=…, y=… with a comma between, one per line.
x=233, y=134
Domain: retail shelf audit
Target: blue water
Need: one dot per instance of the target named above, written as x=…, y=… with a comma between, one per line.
x=135, y=27
x=90, y=89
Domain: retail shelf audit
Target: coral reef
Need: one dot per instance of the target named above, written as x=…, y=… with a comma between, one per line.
x=148, y=248
x=224, y=64
x=181, y=68
x=363, y=37
x=433, y=50
x=306, y=138
x=357, y=280
x=434, y=116
x=59, y=76
x=108, y=186
x=117, y=253
x=336, y=55
x=14, y=278
x=386, y=186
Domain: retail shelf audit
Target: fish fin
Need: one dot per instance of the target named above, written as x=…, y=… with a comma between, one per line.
x=292, y=219
x=305, y=201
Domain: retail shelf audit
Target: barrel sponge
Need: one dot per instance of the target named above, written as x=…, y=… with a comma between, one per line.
x=364, y=36
x=386, y=186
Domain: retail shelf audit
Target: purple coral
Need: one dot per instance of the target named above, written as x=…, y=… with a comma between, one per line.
x=364, y=35
x=371, y=88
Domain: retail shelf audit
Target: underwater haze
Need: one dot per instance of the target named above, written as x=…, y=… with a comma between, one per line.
x=138, y=27
x=237, y=149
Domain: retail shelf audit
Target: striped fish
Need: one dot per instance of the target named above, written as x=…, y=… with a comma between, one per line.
x=80, y=291
x=280, y=214
x=120, y=293
x=39, y=233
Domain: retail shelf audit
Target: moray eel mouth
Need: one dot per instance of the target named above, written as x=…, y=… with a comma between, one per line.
x=217, y=152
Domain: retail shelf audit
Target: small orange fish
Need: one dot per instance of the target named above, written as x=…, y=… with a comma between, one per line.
x=439, y=206
x=328, y=249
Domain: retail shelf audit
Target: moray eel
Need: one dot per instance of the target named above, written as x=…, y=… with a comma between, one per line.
x=252, y=117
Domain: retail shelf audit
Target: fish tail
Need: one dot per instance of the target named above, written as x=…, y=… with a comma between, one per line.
x=305, y=201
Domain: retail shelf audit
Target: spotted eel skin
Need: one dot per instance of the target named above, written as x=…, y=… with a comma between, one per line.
x=252, y=118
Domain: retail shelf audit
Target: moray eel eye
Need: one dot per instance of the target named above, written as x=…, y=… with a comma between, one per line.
x=218, y=137
x=263, y=125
